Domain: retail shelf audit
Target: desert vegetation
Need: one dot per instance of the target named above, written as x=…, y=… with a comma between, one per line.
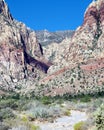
x=18, y=112
x=75, y=81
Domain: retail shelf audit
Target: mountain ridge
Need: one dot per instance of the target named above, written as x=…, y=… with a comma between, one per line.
x=45, y=37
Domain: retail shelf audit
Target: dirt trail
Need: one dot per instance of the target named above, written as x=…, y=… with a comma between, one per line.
x=65, y=122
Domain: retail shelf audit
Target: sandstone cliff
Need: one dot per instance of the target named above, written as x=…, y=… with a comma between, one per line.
x=87, y=42
x=20, y=53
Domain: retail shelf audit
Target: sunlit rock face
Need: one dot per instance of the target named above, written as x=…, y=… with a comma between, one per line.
x=20, y=53
x=4, y=10
x=88, y=40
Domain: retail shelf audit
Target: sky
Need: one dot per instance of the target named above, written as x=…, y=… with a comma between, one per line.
x=52, y=15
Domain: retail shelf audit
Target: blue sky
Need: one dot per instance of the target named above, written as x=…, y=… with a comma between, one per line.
x=52, y=15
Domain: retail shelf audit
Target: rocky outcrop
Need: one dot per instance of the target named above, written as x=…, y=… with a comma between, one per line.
x=87, y=42
x=5, y=10
x=20, y=53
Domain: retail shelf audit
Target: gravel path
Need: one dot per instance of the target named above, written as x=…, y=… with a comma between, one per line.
x=65, y=122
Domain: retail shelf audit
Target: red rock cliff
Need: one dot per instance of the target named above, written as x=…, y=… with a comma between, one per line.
x=88, y=40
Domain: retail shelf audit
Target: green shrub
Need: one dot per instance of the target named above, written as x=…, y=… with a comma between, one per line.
x=85, y=98
x=40, y=113
x=72, y=80
x=15, y=96
x=4, y=127
x=8, y=103
x=6, y=113
x=33, y=127
x=24, y=127
x=11, y=102
x=37, y=110
x=79, y=126
x=67, y=113
x=21, y=124
x=99, y=118
x=46, y=100
x=24, y=118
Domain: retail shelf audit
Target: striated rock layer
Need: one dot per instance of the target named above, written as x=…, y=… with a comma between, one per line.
x=88, y=40
x=20, y=53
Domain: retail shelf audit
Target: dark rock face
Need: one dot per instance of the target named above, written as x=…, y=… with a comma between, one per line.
x=90, y=16
x=20, y=52
x=101, y=11
x=94, y=12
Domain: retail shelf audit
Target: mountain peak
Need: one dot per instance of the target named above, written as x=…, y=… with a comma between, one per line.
x=96, y=4
x=4, y=10
x=87, y=42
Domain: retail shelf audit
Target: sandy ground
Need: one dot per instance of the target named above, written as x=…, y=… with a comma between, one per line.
x=65, y=122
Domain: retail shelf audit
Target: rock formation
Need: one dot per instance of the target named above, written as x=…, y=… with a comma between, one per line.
x=87, y=42
x=20, y=53
x=85, y=72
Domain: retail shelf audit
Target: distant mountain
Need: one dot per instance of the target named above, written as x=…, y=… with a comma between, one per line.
x=45, y=37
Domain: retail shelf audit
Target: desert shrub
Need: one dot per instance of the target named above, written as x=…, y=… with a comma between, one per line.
x=78, y=126
x=67, y=113
x=99, y=118
x=21, y=124
x=37, y=110
x=24, y=118
x=26, y=127
x=33, y=127
x=6, y=113
x=85, y=98
x=15, y=96
x=89, y=123
x=4, y=126
x=72, y=80
x=43, y=113
x=22, y=104
x=19, y=128
x=46, y=100
x=11, y=102
x=8, y=103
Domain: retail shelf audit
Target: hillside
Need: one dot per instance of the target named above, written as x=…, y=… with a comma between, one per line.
x=83, y=70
